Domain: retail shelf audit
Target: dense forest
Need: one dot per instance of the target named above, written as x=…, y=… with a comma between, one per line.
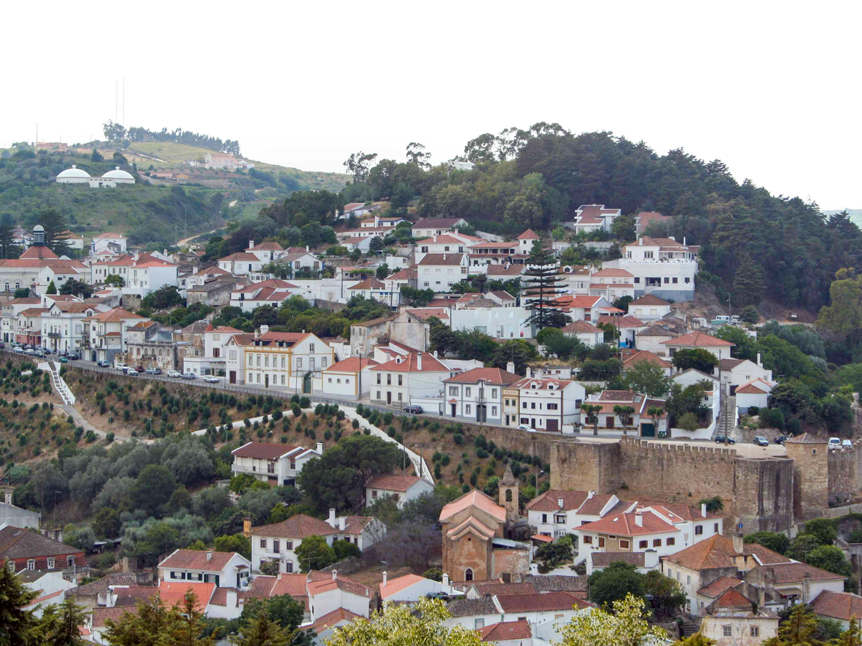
x=115, y=132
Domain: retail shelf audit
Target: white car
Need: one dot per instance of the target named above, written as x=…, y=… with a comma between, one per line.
x=524, y=427
x=173, y=373
x=18, y=349
x=847, y=444
x=210, y=379
x=120, y=366
x=834, y=443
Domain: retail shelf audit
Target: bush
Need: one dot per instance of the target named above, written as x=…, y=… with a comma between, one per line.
x=458, y=439
x=753, y=410
x=304, y=402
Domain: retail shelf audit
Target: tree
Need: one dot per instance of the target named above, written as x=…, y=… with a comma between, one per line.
x=541, y=286
x=798, y=630
x=314, y=553
x=115, y=279
x=152, y=488
x=337, y=479
x=382, y=271
x=622, y=625
x=402, y=625
x=844, y=314
x=801, y=546
x=358, y=165
x=345, y=550
x=261, y=631
x=699, y=359
x=284, y=610
x=239, y=543
x=61, y=624
x=624, y=414
x=106, y=523
x=8, y=248
x=16, y=624
x=648, y=379
x=748, y=284
x=52, y=288
x=592, y=412
x=830, y=558
x=518, y=352
x=655, y=413
x=688, y=422
x=56, y=230
x=713, y=505
x=77, y=287
x=666, y=594
x=97, y=156
x=167, y=296
x=771, y=540
x=417, y=156
x=155, y=625
x=822, y=529
x=750, y=315
x=614, y=583
x=697, y=639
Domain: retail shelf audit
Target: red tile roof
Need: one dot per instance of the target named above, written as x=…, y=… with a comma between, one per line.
x=392, y=482
x=550, y=501
x=506, y=630
x=263, y=451
x=494, y=376
x=838, y=605
x=625, y=525
x=400, y=583
x=298, y=526
x=369, y=283
x=410, y=363
x=324, y=582
x=174, y=593
x=197, y=560
x=427, y=313
x=645, y=355
x=719, y=586
x=581, y=327
x=473, y=498
x=351, y=365
x=441, y=259
x=611, y=272
x=334, y=618
x=698, y=340
x=649, y=299
x=714, y=552
x=542, y=602
x=622, y=321
x=39, y=252
x=529, y=234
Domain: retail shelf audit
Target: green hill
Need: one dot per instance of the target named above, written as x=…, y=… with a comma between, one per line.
x=855, y=215
x=157, y=210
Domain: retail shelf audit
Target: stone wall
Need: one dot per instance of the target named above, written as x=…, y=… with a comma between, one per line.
x=763, y=494
x=844, y=468
x=585, y=466
x=811, y=479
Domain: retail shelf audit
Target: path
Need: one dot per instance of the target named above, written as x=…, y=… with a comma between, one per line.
x=80, y=420
x=185, y=241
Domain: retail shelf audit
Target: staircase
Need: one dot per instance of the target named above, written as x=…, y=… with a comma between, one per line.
x=57, y=381
x=688, y=628
x=727, y=418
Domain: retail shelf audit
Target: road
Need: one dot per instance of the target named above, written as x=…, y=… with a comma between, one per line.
x=185, y=241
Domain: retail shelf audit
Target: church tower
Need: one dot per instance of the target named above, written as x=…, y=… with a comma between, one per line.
x=509, y=495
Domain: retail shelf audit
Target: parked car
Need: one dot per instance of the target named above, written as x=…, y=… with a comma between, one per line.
x=834, y=443
x=719, y=439
x=104, y=364
x=524, y=427
x=781, y=439
x=64, y=360
x=173, y=373
x=847, y=444
x=153, y=371
x=413, y=408
x=18, y=349
x=759, y=440
x=139, y=369
x=210, y=379
x=189, y=375
x=29, y=351
x=2, y=346
x=121, y=366
x=74, y=357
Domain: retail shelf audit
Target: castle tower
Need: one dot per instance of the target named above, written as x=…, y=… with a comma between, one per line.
x=509, y=495
x=811, y=478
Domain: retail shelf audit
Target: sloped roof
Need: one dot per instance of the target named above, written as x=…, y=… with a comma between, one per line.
x=541, y=602
x=173, y=593
x=40, y=252
x=398, y=584
x=715, y=552
x=263, y=451
x=392, y=482
x=581, y=327
x=649, y=299
x=197, y=560
x=352, y=364
x=612, y=272
x=298, y=526
x=369, y=283
x=114, y=316
x=837, y=605
x=719, y=586
x=496, y=376
x=806, y=438
x=549, y=501
x=334, y=618
x=324, y=582
x=441, y=259
x=795, y=572
x=529, y=234
x=624, y=525
x=645, y=355
x=464, y=607
x=698, y=340
x=622, y=321
x=18, y=543
x=474, y=498
x=437, y=223
x=506, y=630
x=751, y=388
x=431, y=312
x=410, y=363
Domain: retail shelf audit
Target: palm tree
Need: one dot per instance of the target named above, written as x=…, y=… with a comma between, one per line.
x=655, y=412
x=624, y=413
x=592, y=412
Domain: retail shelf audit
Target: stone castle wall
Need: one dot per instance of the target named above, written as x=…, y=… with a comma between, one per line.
x=844, y=473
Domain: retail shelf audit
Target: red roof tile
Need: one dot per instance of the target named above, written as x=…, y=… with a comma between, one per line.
x=506, y=630
x=392, y=482
x=494, y=376
x=197, y=560
x=698, y=340
x=298, y=526
x=263, y=451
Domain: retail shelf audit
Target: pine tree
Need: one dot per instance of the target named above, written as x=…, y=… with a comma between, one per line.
x=56, y=231
x=52, y=288
x=7, y=242
x=748, y=286
x=541, y=286
x=16, y=624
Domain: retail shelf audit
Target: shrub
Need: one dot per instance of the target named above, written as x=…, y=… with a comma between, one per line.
x=753, y=410
x=304, y=402
x=458, y=439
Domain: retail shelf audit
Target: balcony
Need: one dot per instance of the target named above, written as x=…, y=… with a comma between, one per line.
x=54, y=335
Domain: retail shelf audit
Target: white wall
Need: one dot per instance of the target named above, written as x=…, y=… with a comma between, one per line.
x=500, y=322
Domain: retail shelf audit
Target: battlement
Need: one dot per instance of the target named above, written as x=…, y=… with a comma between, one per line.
x=702, y=451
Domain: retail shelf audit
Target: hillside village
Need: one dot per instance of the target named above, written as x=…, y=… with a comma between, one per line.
x=345, y=407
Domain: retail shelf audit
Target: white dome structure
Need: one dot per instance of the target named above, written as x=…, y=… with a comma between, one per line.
x=119, y=176
x=74, y=175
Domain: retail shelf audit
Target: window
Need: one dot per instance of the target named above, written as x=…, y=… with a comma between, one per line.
x=715, y=528
x=670, y=541
x=656, y=542
x=299, y=363
x=533, y=405
x=453, y=390
x=588, y=540
x=478, y=623
x=232, y=355
x=468, y=574
x=263, y=543
x=675, y=280
x=688, y=579
x=493, y=411
x=70, y=561
x=293, y=464
x=270, y=467
x=643, y=545
x=50, y=564
x=311, y=348
x=525, y=405
x=467, y=391
x=726, y=630
x=288, y=566
x=288, y=545
x=493, y=393
x=755, y=631
x=31, y=564
x=698, y=530
x=467, y=409
x=399, y=396
x=379, y=377
x=624, y=545
x=687, y=280
x=323, y=362
x=400, y=380
x=552, y=406
x=276, y=545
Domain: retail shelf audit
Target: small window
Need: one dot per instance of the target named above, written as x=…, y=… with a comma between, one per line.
x=698, y=530
x=624, y=545
x=726, y=630
x=588, y=540
x=263, y=543
x=31, y=564
x=715, y=528
x=50, y=564
x=468, y=574
x=755, y=631
x=670, y=541
x=643, y=545
x=478, y=624
x=288, y=545
x=656, y=542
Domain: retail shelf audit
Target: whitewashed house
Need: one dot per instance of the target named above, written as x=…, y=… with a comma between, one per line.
x=350, y=377
x=476, y=396
x=439, y=271
x=649, y=308
x=551, y=405
x=400, y=488
x=225, y=569
x=278, y=464
x=416, y=375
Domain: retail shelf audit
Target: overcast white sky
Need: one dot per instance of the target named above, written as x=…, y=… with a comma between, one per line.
x=772, y=89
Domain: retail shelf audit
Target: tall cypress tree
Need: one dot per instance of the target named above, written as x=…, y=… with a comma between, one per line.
x=540, y=286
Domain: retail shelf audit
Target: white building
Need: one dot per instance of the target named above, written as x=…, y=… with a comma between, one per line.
x=439, y=271
x=552, y=405
x=639, y=421
x=446, y=243
x=558, y=513
x=700, y=340
x=411, y=588
x=280, y=360
x=612, y=283
x=107, y=334
x=350, y=377
x=241, y=263
x=594, y=217
x=436, y=226
x=585, y=332
x=112, y=242
x=278, y=464
x=737, y=372
x=649, y=308
x=499, y=322
x=416, y=375
x=662, y=267
x=214, y=359
x=225, y=569
x=268, y=292
x=399, y=488
x=476, y=396
x=10, y=311
x=63, y=326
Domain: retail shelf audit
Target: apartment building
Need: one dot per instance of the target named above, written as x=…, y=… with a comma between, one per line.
x=282, y=360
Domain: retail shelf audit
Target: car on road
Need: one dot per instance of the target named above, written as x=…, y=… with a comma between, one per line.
x=781, y=439
x=174, y=373
x=104, y=364
x=834, y=443
x=131, y=373
x=210, y=379
x=189, y=375
x=525, y=427
x=139, y=369
x=153, y=371
x=29, y=351
x=18, y=349
x=847, y=444
x=759, y=440
x=719, y=439
x=64, y=360
x=413, y=408
x=73, y=357
x=121, y=367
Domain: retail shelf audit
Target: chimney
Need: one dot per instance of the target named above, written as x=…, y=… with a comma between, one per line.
x=650, y=559
x=342, y=523
x=209, y=555
x=640, y=242
x=331, y=520
x=435, y=354
x=444, y=256
x=335, y=575
x=683, y=241
x=306, y=249
x=419, y=360
x=738, y=546
x=8, y=497
x=445, y=580
x=806, y=587
x=246, y=527
x=703, y=509
x=384, y=577
x=639, y=518
x=590, y=494
x=529, y=372
x=257, y=334
x=769, y=579
x=759, y=365
x=251, y=244
x=320, y=448
x=560, y=502
x=510, y=367
x=761, y=597
x=264, y=329
x=435, y=238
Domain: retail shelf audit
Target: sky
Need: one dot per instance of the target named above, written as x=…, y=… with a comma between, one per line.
x=772, y=89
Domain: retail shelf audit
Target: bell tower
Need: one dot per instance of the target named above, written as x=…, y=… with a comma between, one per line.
x=509, y=495
x=38, y=235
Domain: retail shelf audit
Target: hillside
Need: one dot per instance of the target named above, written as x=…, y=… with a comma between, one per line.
x=855, y=215
x=156, y=211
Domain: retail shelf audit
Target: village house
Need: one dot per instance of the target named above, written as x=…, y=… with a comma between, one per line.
x=212, y=359
x=411, y=588
x=661, y=267
x=242, y=263
x=282, y=360
x=29, y=326
x=365, y=335
x=646, y=219
x=641, y=356
x=111, y=241
x=477, y=395
x=551, y=405
x=225, y=569
x=585, y=308
x=202, y=276
x=558, y=513
x=378, y=222
x=594, y=217
x=447, y=243
x=24, y=549
x=374, y=289
x=842, y=607
x=436, y=226
x=215, y=292
x=643, y=562
x=652, y=338
x=272, y=291
x=626, y=328
x=795, y=582
x=754, y=394
x=612, y=284
x=10, y=311
x=107, y=334
x=150, y=345
x=400, y=488
x=277, y=464
x=141, y=275
x=63, y=325
x=737, y=372
x=30, y=268
x=17, y=516
x=350, y=377
x=266, y=252
x=585, y=332
x=301, y=260
x=665, y=528
x=700, y=341
x=416, y=375
x=649, y=308
x=439, y=271
x=639, y=420
x=735, y=620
